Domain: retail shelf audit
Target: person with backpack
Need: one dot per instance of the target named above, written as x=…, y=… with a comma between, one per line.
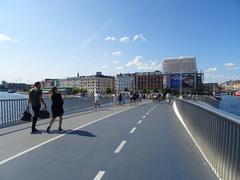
x=57, y=109
x=35, y=99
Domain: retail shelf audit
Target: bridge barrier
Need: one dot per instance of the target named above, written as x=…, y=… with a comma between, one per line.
x=216, y=134
x=11, y=110
x=209, y=100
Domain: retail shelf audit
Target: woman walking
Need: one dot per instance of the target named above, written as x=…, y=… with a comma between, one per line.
x=57, y=109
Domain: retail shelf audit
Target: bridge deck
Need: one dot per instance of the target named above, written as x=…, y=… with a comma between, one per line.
x=144, y=142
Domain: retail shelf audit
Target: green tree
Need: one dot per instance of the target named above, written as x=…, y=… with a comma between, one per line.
x=108, y=91
x=83, y=90
x=155, y=90
x=76, y=90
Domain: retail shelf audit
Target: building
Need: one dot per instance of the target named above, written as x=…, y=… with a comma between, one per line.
x=16, y=86
x=93, y=83
x=230, y=85
x=149, y=81
x=125, y=82
x=180, y=64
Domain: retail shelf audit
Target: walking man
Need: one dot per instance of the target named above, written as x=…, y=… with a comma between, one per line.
x=97, y=100
x=35, y=98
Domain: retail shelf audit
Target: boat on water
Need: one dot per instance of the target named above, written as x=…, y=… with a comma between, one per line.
x=11, y=91
x=237, y=93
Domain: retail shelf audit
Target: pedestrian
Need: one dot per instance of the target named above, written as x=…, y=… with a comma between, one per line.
x=123, y=99
x=168, y=96
x=97, y=100
x=120, y=99
x=35, y=99
x=57, y=109
x=114, y=99
x=159, y=97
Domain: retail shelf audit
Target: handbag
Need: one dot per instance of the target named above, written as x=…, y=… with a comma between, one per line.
x=43, y=113
x=27, y=116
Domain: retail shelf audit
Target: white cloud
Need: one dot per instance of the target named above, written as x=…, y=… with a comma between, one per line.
x=110, y=38
x=138, y=63
x=117, y=53
x=230, y=66
x=105, y=67
x=119, y=68
x=213, y=69
x=4, y=37
x=124, y=39
x=139, y=37
x=116, y=62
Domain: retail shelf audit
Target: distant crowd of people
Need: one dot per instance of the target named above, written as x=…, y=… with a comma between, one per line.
x=119, y=99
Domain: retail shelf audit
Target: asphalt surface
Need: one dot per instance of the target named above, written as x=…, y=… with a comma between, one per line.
x=144, y=143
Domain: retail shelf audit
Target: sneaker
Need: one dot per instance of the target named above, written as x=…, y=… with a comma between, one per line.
x=60, y=129
x=35, y=131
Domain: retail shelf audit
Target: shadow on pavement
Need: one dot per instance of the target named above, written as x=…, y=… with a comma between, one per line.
x=77, y=132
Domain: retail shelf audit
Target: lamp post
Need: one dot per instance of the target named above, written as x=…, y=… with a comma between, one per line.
x=180, y=90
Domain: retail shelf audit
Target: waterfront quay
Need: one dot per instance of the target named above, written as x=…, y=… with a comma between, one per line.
x=183, y=140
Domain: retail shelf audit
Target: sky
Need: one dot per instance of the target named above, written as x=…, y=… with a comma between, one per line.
x=59, y=38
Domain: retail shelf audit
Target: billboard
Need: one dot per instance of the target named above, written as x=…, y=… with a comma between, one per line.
x=187, y=80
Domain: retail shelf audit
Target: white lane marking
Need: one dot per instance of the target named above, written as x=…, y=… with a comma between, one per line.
x=190, y=134
x=147, y=113
x=120, y=146
x=132, y=131
x=144, y=117
x=139, y=122
x=99, y=175
x=57, y=137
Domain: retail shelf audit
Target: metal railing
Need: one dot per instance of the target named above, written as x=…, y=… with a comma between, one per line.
x=218, y=136
x=209, y=100
x=12, y=110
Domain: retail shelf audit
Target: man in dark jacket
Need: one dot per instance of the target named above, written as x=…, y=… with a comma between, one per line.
x=35, y=98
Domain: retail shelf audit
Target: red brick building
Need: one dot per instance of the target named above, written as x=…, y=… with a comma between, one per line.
x=150, y=81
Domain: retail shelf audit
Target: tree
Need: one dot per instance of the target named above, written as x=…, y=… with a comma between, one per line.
x=76, y=90
x=108, y=91
x=125, y=89
x=155, y=90
x=83, y=91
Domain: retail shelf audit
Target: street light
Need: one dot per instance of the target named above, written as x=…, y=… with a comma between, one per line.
x=180, y=78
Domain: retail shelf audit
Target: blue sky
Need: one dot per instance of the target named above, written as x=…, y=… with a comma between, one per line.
x=58, y=38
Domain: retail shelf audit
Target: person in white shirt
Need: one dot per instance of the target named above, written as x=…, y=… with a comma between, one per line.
x=97, y=100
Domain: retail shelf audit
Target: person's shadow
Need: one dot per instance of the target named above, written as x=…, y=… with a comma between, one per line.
x=71, y=132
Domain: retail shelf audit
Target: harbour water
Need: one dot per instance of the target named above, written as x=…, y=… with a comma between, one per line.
x=6, y=95
x=230, y=104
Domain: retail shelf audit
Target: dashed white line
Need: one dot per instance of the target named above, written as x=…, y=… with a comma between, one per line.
x=132, y=131
x=139, y=122
x=99, y=175
x=119, y=148
x=55, y=138
x=144, y=117
x=147, y=113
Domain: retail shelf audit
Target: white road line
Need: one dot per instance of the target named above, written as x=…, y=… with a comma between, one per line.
x=147, y=113
x=57, y=137
x=120, y=146
x=99, y=175
x=132, y=131
x=144, y=117
x=139, y=122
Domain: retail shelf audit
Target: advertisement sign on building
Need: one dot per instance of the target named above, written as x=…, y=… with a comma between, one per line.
x=187, y=80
